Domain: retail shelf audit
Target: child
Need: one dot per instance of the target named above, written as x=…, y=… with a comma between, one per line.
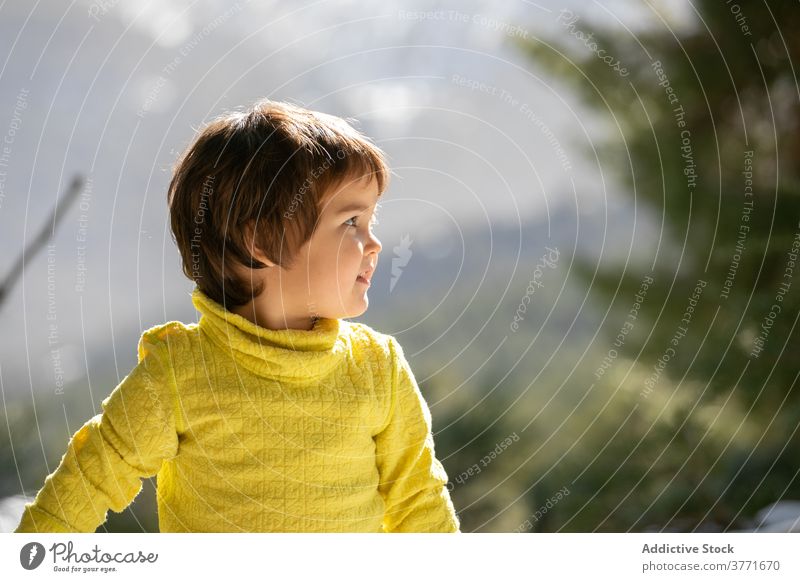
x=273, y=413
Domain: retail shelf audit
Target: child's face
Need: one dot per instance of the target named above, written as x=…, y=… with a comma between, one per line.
x=324, y=280
x=342, y=248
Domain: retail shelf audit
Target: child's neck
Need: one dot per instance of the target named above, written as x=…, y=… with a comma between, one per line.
x=263, y=316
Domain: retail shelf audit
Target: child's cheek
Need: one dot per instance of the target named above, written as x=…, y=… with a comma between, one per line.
x=349, y=250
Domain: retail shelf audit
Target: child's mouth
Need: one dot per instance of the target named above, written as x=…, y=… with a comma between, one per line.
x=365, y=277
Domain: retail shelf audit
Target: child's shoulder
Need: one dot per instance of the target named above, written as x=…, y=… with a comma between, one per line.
x=363, y=334
x=377, y=342
x=169, y=330
x=171, y=336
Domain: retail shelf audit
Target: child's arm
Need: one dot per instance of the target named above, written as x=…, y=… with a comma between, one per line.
x=413, y=481
x=107, y=457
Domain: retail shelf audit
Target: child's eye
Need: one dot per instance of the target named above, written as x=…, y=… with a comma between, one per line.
x=372, y=222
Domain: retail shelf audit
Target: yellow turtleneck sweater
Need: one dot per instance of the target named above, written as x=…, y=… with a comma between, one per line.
x=257, y=430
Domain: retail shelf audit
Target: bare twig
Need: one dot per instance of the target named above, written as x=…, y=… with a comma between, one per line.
x=33, y=247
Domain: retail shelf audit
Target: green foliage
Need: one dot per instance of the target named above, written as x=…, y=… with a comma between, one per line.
x=738, y=94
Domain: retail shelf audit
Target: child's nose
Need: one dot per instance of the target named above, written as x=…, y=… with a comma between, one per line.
x=374, y=244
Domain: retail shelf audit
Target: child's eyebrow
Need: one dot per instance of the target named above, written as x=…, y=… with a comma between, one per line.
x=355, y=207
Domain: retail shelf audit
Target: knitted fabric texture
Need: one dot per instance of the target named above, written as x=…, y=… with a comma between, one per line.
x=256, y=430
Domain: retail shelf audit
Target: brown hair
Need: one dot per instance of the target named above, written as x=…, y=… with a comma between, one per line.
x=267, y=168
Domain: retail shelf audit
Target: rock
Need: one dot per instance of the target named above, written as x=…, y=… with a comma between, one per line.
x=11, y=509
x=783, y=515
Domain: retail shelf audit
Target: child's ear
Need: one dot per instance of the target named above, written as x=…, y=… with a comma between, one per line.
x=249, y=239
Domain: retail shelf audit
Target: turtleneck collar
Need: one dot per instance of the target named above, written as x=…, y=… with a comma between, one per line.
x=281, y=353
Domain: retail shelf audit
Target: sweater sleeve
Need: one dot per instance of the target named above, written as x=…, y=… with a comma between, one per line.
x=412, y=480
x=107, y=457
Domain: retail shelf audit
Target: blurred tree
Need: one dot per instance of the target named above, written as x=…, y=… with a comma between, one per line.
x=708, y=139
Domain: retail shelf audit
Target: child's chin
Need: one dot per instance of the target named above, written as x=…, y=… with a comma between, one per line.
x=355, y=309
x=360, y=307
